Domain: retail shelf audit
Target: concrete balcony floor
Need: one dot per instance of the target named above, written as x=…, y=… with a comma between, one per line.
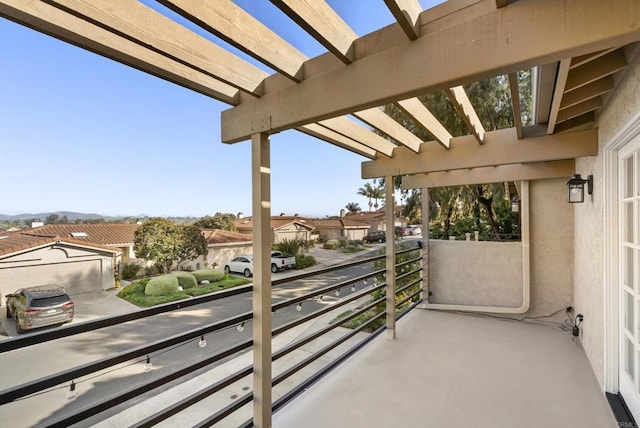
x=456, y=370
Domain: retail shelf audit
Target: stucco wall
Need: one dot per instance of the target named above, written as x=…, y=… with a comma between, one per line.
x=475, y=273
x=589, y=281
x=77, y=269
x=490, y=274
x=220, y=254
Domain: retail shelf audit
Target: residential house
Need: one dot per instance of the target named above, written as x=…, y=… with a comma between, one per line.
x=222, y=246
x=282, y=228
x=113, y=235
x=78, y=266
x=340, y=228
x=376, y=219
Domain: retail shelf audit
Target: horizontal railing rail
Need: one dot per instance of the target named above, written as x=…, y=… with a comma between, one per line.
x=42, y=384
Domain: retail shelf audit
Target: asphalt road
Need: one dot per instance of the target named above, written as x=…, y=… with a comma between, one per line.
x=37, y=361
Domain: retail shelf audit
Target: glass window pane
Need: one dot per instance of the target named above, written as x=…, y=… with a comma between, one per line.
x=629, y=315
x=630, y=362
x=627, y=190
x=627, y=276
x=627, y=213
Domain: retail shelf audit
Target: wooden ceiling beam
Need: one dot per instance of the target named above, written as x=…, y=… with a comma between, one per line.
x=466, y=50
x=591, y=104
x=421, y=115
x=350, y=129
x=500, y=148
x=376, y=118
x=515, y=103
x=596, y=69
x=143, y=25
x=407, y=13
x=592, y=90
x=558, y=91
x=235, y=26
x=323, y=23
x=69, y=28
x=491, y=174
x=463, y=106
x=337, y=139
x=583, y=59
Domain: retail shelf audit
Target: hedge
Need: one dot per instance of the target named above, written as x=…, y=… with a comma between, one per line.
x=211, y=275
x=185, y=279
x=162, y=285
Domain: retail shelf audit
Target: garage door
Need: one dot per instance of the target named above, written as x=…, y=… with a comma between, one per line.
x=76, y=277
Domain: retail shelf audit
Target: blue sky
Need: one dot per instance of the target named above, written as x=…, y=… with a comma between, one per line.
x=79, y=132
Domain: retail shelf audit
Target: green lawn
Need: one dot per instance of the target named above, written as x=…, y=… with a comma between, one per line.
x=134, y=292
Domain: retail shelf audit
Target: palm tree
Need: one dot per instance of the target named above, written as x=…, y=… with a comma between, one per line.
x=378, y=193
x=353, y=207
x=367, y=191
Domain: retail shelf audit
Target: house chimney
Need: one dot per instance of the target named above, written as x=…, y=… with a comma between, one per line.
x=342, y=213
x=240, y=215
x=36, y=224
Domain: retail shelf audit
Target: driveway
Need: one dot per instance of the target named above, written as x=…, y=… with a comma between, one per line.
x=88, y=306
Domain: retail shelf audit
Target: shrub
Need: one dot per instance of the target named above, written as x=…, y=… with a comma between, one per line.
x=161, y=285
x=130, y=271
x=291, y=246
x=304, y=261
x=135, y=288
x=185, y=279
x=211, y=275
x=331, y=244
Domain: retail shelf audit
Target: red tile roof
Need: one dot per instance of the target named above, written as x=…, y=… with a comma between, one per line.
x=277, y=222
x=16, y=242
x=217, y=236
x=104, y=234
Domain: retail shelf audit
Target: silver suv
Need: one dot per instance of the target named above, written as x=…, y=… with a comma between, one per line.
x=39, y=306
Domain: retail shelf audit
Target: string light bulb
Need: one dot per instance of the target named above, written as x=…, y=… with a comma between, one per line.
x=241, y=327
x=337, y=293
x=147, y=365
x=202, y=342
x=72, y=393
x=299, y=307
x=353, y=288
x=365, y=281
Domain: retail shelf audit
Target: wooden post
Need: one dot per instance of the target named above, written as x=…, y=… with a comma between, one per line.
x=425, y=244
x=261, y=183
x=391, y=258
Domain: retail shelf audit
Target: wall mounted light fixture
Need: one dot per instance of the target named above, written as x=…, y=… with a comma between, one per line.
x=576, y=188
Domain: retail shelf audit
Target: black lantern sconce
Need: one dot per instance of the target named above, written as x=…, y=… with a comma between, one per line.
x=576, y=188
x=515, y=205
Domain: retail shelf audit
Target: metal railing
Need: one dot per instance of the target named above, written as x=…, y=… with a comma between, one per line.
x=377, y=276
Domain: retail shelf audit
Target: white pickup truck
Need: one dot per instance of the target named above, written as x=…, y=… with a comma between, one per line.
x=244, y=264
x=280, y=261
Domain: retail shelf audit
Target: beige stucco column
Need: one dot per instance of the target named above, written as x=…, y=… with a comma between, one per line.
x=261, y=204
x=390, y=259
x=425, y=244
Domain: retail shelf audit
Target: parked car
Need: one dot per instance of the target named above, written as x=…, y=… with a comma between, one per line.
x=244, y=264
x=377, y=236
x=241, y=264
x=414, y=229
x=39, y=306
x=402, y=231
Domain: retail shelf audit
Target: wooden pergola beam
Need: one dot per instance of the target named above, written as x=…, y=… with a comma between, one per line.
x=558, y=91
x=376, y=118
x=350, y=129
x=500, y=148
x=332, y=137
x=137, y=22
x=491, y=174
x=515, y=103
x=235, y=26
x=407, y=13
x=596, y=69
x=463, y=106
x=69, y=28
x=584, y=93
x=420, y=114
x=323, y=23
x=459, y=53
x=579, y=109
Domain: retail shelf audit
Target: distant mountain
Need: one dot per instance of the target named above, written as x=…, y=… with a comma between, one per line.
x=71, y=216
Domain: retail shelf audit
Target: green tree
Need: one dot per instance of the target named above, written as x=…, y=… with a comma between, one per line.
x=353, y=207
x=222, y=221
x=165, y=243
